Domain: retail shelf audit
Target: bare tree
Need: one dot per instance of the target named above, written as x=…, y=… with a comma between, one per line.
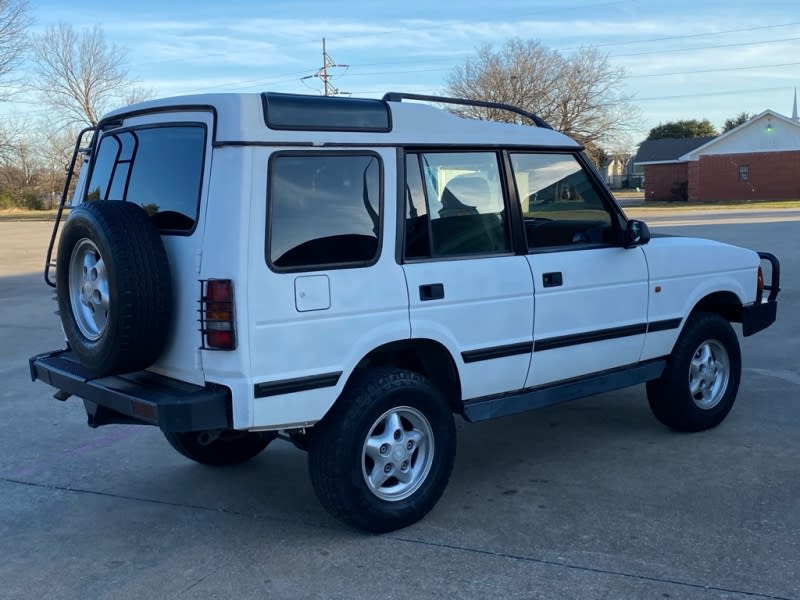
x=14, y=22
x=80, y=73
x=23, y=174
x=579, y=94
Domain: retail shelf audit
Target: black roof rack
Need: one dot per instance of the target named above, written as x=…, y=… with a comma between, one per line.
x=400, y=96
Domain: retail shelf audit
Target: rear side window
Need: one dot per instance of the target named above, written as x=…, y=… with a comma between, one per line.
x=454, y=205
x=158, y=168
x=325, y=210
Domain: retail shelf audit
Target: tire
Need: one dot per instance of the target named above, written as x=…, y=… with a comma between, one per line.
x=699, y=385
x=219, y=448
x=113, y=287
x=352, y=449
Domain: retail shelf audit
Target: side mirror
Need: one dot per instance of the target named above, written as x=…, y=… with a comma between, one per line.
x=636, y=233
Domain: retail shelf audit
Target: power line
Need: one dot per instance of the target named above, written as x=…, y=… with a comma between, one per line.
x=691, y=35
x=708, y=94
x=725, y=70
x=791, y=39
x=437, y=27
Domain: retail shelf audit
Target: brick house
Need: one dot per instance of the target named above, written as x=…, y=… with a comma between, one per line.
x=666, y=175
x=758, y=160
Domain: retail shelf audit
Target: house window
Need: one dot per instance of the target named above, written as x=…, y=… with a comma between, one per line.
x=744, y=173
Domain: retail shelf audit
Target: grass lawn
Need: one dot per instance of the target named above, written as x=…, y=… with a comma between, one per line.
x=22, y=214
x=706, y=206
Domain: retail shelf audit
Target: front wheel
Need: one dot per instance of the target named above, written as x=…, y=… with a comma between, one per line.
x=699, y=385
x=382, y=457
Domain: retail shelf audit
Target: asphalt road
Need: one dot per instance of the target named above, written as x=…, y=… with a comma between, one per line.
x=592, y=499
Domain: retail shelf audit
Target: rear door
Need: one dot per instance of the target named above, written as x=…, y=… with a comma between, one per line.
x=161, y=162
x=467, y=289
x=591, y=293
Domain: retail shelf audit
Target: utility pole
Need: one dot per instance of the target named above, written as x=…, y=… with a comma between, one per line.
x=324, y=76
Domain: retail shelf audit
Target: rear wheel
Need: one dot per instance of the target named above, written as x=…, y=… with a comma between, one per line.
x=221, y=447
x=382, y=457
x=698, y=388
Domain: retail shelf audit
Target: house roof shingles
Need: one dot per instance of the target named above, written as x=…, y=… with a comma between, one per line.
x=668, y=149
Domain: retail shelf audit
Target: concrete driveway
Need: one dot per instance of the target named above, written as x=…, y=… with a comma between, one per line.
x=592, y=499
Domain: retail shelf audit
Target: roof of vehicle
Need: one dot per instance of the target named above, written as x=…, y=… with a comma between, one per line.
x=241, y=118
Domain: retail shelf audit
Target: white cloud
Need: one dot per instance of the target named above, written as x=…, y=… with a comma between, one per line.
x=173, y=50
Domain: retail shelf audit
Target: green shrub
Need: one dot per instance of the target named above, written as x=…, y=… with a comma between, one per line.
x=33, y=202
x=680, y=190
x=6, y=201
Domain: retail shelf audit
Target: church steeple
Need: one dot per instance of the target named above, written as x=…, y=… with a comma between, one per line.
x=794, y=107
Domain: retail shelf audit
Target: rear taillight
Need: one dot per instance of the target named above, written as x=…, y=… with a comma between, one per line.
x=217, y=319
x=760, y=285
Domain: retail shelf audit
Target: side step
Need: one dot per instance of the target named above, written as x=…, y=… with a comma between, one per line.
x=480, y=409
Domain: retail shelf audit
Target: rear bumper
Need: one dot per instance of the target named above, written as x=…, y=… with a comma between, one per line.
x=141, y=397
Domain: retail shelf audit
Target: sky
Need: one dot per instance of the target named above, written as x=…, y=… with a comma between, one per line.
x=683, y=59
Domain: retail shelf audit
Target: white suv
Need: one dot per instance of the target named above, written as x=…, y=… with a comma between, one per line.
x=348, y=274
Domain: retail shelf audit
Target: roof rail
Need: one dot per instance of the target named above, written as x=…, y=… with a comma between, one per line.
x=400, y=96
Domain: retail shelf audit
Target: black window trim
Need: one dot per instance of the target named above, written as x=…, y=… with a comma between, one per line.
x=103, y=195
x=618, y=218
x=163, y=125
x=326, y=266
x=403, y=152
x=118, y=162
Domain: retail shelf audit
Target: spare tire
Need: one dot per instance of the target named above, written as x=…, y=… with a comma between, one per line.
x=113, y=286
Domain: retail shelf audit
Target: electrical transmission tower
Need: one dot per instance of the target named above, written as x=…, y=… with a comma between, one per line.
x=325, y=77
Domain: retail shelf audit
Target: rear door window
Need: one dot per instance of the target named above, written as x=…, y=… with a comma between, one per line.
x=454, y=205
x=159, y=168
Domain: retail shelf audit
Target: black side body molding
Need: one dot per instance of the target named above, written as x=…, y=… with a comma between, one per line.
x=491, y=407
x=663, y=325
x=564, y=341
x=299, y=384
x=589, y=336
x=497, y=352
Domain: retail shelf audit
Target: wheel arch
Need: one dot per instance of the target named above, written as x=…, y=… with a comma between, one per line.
x=421, y=355
x=724, y=303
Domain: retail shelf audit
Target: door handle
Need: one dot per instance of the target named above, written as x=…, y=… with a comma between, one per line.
x=431, y=291
x=553, y=279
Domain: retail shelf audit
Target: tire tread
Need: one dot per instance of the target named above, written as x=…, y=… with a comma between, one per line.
x=669, y=396
x=327, y=454
x=136, y=258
